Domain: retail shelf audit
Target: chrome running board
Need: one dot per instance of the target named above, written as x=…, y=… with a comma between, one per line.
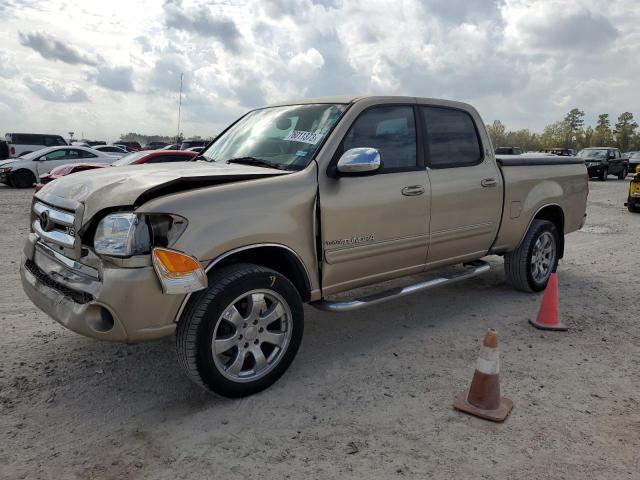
x=472, y=269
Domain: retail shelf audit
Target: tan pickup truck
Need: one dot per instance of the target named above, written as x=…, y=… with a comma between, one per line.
x=291, y=204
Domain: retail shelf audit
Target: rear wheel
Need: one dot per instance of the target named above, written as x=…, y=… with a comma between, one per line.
x=240, y=335
x=529, y=267
x=623, y=174
x=22, y=179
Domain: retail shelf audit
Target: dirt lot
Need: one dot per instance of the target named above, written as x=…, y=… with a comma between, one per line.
x=369, y=395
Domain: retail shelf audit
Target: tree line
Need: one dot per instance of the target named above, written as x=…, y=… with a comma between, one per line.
x=144, y=139
x=571, y=133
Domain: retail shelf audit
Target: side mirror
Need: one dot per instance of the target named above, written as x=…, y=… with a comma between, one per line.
x=359, y=161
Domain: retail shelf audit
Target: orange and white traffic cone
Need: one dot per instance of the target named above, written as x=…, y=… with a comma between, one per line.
x=483, y=398
x=549, y=313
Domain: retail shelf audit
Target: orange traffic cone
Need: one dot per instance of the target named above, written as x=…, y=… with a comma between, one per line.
x=549, y=314
x=483, y=398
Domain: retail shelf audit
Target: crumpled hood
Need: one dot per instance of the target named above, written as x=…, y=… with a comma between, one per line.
x=133, y=185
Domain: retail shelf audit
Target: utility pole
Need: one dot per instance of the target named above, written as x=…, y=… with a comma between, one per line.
x=179, y=107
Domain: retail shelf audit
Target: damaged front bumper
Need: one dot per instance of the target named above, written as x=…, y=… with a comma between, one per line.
x=108, y=303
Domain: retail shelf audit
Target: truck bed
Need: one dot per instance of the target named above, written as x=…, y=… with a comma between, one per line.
x=531, y=183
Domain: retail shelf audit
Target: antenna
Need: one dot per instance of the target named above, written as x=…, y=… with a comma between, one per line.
x=179, y=106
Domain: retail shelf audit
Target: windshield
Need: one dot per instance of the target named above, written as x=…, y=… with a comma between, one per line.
x=592, y=154
x=129, y=159
x=285, y=136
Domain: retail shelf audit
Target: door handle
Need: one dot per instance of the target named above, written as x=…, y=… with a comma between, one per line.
x=413, y=190
x=488, y=182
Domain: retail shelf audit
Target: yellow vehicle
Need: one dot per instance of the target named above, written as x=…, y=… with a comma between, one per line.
x=633, y=202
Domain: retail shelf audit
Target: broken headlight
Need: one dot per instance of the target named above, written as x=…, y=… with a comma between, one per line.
x=124, y=234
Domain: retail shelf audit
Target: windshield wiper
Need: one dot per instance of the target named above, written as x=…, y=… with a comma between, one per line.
x=258, y=162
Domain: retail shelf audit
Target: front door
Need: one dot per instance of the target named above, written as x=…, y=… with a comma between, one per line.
x=56, y=158
x=466, y=187
x=376, y=227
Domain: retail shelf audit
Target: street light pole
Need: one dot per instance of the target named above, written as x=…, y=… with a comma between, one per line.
x=179, y=106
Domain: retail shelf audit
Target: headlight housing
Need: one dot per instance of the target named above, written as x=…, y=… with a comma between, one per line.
x=124, y=234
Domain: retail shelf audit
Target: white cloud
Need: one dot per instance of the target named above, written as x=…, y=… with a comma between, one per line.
x=525, y=62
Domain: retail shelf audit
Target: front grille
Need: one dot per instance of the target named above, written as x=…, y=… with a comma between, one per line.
x=54, y=225
x=75, y=295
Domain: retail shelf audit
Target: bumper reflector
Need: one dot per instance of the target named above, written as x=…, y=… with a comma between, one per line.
x=178, y=272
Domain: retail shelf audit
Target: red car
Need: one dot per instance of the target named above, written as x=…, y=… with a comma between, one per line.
x=135, y=158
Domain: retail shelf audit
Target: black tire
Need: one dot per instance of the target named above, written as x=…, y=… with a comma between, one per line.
x=517, y=264
x=197, y=327
x=604, y=174
x=633, y=209
x=623, y=174
x=22, y=179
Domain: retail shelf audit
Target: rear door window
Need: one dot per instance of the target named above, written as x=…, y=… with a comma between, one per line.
x=27, y=139
x=451, y=138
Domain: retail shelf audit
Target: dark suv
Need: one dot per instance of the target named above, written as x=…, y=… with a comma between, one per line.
x=604, y=161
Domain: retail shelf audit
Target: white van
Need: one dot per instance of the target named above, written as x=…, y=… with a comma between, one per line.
x=23, y=143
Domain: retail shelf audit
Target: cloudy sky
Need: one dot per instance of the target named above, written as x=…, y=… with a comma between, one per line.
x=104, y=68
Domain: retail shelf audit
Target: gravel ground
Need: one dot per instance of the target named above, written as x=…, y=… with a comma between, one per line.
x=369, y=396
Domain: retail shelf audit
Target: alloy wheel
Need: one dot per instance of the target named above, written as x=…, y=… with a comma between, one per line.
x=252, y=335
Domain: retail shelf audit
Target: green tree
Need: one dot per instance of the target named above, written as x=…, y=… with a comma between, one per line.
x=497, y=133
x=625, y=128
x=603, y=136
x=575, y=121
x=587, y=137
x=555, y=135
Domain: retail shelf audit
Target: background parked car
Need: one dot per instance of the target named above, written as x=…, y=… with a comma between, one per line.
x=155, y=145
x=561, y=152
x=508, y=151
x=23, y=143
x=22, y=172
x=193, y=143
x=4, y=150
x=131, y=146
x=173, y=146
x=194, y=149
x=134, y=158
x=67, y=169
x=634, y=161
x=114, y=150
x=604, y=161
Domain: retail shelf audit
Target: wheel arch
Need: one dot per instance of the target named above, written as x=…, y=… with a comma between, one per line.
x=275, y=256
x=554, y=214
x=23, y=169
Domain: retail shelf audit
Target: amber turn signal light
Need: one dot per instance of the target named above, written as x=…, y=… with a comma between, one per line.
x=175, y=263
x=177, y=271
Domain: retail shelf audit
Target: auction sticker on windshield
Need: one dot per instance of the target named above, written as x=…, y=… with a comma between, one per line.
x=304, y=137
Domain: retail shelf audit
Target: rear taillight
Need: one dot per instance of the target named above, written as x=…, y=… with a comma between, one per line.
x=13, y=150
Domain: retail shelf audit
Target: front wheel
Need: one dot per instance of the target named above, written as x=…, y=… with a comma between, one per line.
x=240, y=335
x=22, y=179
x=529, y=266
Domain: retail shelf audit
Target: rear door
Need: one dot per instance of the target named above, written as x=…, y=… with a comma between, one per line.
x=376, y=226
x=616, y=164
x=466, y=186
